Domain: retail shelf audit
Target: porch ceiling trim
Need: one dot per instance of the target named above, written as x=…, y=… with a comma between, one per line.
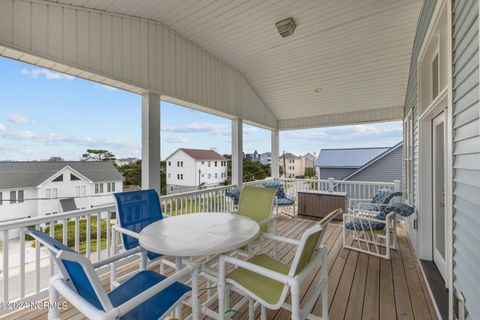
x=134, y=52
x=338, y=119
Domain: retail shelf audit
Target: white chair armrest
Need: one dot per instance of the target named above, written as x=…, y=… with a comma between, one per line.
x=126, y=231
x=255, y=268
x=116, y=257
x=274, y=237
x=267, y=221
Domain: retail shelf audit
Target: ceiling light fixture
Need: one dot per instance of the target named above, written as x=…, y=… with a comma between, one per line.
x=286, y=27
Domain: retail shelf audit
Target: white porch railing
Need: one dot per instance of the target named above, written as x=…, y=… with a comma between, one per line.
x=353, y=189
x=26, y=267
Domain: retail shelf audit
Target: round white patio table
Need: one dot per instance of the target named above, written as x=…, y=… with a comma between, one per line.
x=199, y=234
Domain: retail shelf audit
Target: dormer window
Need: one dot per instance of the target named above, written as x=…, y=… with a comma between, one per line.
x=58, y=179
x=74, y=177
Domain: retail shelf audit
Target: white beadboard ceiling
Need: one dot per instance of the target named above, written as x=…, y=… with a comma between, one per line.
x=356, y=54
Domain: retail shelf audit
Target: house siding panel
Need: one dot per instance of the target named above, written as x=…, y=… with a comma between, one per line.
x=466, y=154
x=124, y=57
x=386, y=169
x=411, y=104
x=336, y=173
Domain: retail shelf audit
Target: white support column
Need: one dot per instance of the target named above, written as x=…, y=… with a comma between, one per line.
x=151, y=141
x=275, y=154
x=237, y=152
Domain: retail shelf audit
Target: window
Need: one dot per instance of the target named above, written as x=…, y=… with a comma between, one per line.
x=179, y=163
x=13, y=197
x=74, y=177
x=96, y=188
x=109, y=188
x=58, y=179
x=178, y=176
x=209, y=163
x=169, y=175
x=203, y=175
x=20, y=196
x=1, y=198
x=181, y=176
x=80, y=191
x=169, y=163
x=216, y=163
x=216, y=175
x=101, y=187
x=51, y=193
x=209, y=176
x=435, y=82
x=113, y=186
x=408, y=159
x=203, y=162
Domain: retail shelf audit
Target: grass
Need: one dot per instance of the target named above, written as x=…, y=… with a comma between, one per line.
x=58, y=234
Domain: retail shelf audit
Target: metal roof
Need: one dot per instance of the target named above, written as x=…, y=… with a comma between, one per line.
x=33, y=173
x=348, y=158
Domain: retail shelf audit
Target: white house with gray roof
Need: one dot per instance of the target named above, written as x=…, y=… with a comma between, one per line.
x=37, y=188
x=361, y=164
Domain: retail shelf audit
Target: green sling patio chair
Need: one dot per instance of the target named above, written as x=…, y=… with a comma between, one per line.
x=268, y=281
x=257, y=204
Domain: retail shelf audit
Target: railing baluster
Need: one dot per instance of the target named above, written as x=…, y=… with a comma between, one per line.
x=5, y=265
x=37, y=264
x=22, y=263
x=87, y=240
x=77, y=234
x=99, y=235
x=65, y=232
x=52, y=233
x=107, y=249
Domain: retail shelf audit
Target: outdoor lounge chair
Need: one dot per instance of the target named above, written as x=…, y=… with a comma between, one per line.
x=135, y=211
x=268, y=281
x=380, y=201
x=373, y=232
x=281, y=199
x=146, y=295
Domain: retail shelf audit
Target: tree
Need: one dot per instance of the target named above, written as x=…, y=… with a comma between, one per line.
x=310, y=172
x=132, y=175
x=98, y=155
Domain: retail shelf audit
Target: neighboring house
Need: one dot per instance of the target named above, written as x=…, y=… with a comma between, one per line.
x=190, y=169
x=254, y=156
x=265, y=158
x=361, y=164
x=37, y=188
x=125, y=161
x=295, y=165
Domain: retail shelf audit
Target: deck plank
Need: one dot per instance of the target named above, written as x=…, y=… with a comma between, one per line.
x=360, y=286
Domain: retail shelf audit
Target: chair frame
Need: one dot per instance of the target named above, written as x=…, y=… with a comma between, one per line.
x=62, y=284
x=365, y=239
x=291, y=281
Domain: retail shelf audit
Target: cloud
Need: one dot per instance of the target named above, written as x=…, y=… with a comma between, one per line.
x=47, y=74
x=176, y=139
x=205, y=127
x=198, y=127
x=56, y=139
x=17, y=118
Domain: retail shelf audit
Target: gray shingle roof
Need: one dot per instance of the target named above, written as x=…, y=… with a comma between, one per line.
x=33, y=173
x=347, y=158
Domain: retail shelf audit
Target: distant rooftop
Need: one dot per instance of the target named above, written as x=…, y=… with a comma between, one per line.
x=202, y=154
x=27, y=174
x=348, y=157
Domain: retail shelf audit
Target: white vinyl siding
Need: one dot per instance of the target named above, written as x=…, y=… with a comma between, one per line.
x=466, y=153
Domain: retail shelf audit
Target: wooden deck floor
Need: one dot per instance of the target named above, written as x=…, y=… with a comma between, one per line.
x=360, y=286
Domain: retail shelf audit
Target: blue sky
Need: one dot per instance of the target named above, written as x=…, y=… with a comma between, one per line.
x=44, y=114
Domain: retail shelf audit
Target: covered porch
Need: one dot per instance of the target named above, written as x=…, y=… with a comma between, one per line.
x=360, y=286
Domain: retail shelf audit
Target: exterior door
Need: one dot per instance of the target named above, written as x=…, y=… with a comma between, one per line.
x=438, y=176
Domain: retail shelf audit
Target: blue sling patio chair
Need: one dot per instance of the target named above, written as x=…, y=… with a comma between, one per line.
x=135, y=211
x=146, y=295
x=374, y=232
